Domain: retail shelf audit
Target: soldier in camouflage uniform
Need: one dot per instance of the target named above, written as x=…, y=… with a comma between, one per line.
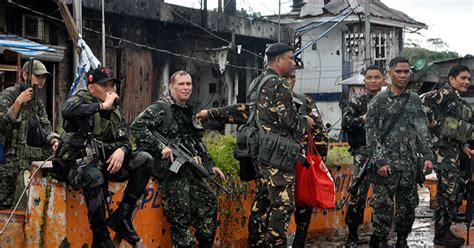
x=239, y=113
x=396, y=130
x=449, y=118
x=188, y=201
x=26, y=130
x=353, y=123
x=95, y=149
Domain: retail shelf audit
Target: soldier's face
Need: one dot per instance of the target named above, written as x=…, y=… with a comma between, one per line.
x=461, y=82
x=100, y=90
x=373, y=81
x=38, y=80
x=182, y=88
x=400, y=75
x=286, y=64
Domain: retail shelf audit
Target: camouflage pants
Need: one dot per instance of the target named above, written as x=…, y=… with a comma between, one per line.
x=447, y=171
x=136, y=168
x=188, y=201
x=398, y=188
x=11, y=181
x=272, y=207
x=302, y=221
x=356, y=206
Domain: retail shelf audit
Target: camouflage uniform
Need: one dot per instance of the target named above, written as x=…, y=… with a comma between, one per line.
x=440, y=104
x=354, y=125
x=399, y=151
x=188, y=201
x=83, y=122
x=18, y=152
x=274, y=195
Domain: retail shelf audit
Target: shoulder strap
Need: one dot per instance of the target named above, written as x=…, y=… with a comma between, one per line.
x=254, y=94
x=395, y=120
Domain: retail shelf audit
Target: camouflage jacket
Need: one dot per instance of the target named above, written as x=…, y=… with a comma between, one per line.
x=83, y=117
x=173, y=121
x=353, y=123
x=239, y=113
x=408, y=135
x=276, y=110
x=15, y=130
x=442, y=103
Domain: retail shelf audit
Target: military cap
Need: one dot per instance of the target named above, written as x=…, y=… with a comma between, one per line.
x=38, y=67
x=277, y=49
x=101, y=75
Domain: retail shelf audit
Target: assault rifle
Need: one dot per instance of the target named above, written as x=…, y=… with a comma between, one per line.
x=469, y=207
x=356, y=181
x=184, y=156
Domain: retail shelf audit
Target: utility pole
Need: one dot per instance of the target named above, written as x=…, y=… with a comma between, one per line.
x=368, y=38
x=103, y=33
x=279, y=19
x=77, y=12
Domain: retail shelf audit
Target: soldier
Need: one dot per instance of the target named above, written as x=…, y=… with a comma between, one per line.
x=353, y=123
x=396, y=130
x=26, y=130
x=449, y=118
x=95, y=149
x=187, y=199
x=239, y=113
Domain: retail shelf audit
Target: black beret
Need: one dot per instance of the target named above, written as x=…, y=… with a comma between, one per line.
x=277, y=49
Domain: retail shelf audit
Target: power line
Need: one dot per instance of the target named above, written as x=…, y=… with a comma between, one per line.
x=134, y=43
x=212, y=34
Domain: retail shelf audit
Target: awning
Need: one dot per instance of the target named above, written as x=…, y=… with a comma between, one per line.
x=357, y=79
x=28, y=48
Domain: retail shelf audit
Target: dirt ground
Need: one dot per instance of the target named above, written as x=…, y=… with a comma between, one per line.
x=421, y=236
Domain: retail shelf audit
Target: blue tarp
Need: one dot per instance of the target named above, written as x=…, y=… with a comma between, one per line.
x=23, y=46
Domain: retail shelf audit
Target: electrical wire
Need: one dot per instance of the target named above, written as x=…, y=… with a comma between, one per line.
x=136, y=44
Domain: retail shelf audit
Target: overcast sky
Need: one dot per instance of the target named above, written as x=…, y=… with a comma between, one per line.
x=450, y=20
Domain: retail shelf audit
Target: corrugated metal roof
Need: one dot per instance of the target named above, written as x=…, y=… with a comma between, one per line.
x=377, y=9
x=28, y=48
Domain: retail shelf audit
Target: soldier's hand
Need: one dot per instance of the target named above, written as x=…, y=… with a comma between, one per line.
x=468, y=151
x=115, y=161
x=25, y=96
x=54, y=145
x=427, y=165
x=167, y=153
x=309, y=121
x=202, y=115
x=384, y=171
x=364, y=118
x=110, y=98
x=219, y=172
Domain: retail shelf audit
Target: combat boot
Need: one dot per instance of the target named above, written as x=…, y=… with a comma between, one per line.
x=101, y=238
x=378, y=242
x=353, y=236
x=121, y=222
x=447, y=238
x=401, y=240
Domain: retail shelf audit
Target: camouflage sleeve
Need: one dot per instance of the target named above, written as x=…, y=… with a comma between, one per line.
x=374, y=144
x=277, y=97
x=75, y=107
x=320, y=135
x=233, y=114
x=8, y=99
x=429, y=102
x=423, y=133
x=45, y=124
x=143, y=126
x=351, y=119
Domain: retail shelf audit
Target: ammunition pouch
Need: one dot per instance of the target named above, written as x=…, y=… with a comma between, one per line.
x=247, y=142
x=36, y=136
x=456, y=130
x=279, y=151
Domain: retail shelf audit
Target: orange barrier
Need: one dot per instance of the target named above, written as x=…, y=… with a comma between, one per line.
x=57, y=215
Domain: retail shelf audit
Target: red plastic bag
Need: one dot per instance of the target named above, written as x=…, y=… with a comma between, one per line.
x=314, y=185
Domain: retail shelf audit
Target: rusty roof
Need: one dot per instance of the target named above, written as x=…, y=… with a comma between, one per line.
x=377, y=9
